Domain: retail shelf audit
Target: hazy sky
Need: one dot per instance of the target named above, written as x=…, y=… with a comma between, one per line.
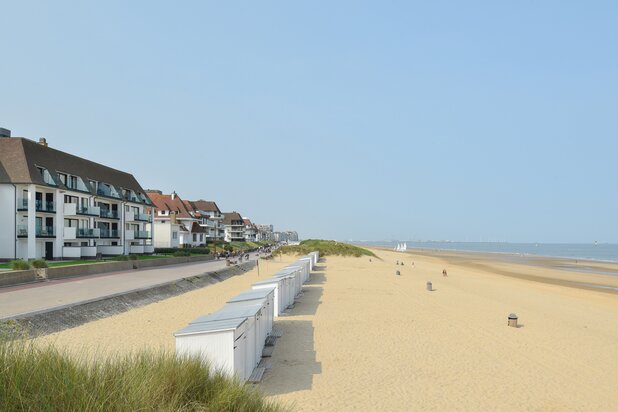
x=493, y=120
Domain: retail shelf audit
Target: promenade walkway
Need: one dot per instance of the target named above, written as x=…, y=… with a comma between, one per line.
x=44, y=296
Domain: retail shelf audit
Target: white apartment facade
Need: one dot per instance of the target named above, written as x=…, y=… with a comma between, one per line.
x=234, y=227
x=54, y=205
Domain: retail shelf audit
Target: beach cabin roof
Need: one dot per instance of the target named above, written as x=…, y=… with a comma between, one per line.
x=270, y=281
x=252, y=295
x=212, y=326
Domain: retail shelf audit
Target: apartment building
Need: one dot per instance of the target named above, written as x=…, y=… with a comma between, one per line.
x=209, y=217
x=55, y=205
x=250, y=230
x=265, y=232
x=234, y=227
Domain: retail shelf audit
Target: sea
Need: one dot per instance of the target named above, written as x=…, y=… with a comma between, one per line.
x=603, y=252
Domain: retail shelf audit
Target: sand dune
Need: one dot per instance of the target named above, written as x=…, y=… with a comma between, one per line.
x=363, y=338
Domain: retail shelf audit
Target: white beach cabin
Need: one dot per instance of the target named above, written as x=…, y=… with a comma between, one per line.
x=264, y=295
x=288, y=288
x=297, y=271
x=221, y=343
x=253, y=311
x=251, y=332
x=307, y=261
x=276, y=284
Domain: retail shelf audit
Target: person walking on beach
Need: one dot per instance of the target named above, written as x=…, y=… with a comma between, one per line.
x=444, y=273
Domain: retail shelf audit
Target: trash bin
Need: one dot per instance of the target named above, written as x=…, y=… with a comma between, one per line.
x=513, y=320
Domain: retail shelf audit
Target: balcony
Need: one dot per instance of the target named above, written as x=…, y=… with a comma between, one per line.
x=129, y=234
x=89, y=210
x=22, y=204
x=142, y=234
x=137, y=249
x=45, y=231
x=142, y=217
x=108, y=191
x=44, y=206
x=129, y=216
x=88, y=233
x=108, y=250
x=109, y=214
x=110, y=234
x=22, y=230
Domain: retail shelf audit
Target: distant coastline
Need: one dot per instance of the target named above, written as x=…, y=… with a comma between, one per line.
x=602, y=252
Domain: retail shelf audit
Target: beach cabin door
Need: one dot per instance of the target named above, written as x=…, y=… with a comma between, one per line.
x=240, y=347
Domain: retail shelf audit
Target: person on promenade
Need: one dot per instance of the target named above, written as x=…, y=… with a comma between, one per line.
x=444, y=273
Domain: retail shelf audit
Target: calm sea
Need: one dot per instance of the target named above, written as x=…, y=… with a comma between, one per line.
x=600, y=252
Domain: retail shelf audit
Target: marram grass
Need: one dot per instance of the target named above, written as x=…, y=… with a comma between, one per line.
x=34, y=377
x=326, y=248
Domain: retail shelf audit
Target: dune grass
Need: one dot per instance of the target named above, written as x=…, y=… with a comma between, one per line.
x=326, y=248
x=36, y=378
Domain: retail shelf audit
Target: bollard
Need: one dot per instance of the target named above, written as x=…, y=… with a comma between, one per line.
x=398, y=273
x=401, y=263
x=397, y=263
x=513, y=320
x=429, y=286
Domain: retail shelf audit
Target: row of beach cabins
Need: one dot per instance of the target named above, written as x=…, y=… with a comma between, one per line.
x=233, y=339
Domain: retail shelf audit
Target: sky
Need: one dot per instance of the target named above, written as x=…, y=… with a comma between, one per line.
x=383, y=120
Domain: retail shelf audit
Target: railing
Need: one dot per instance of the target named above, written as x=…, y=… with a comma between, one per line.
x=89, y=233
x=22, y=204
x=107, y=191
x=142, y=234
x=22, y=230
x=89, y=210
x=109, y=214
x=45, y=231
x=109, y=233
x=143, y=217
x=45, y=206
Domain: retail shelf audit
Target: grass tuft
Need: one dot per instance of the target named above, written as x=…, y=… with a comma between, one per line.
x=36, y=377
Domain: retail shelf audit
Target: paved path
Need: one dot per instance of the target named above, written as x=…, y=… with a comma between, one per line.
x=36, y=297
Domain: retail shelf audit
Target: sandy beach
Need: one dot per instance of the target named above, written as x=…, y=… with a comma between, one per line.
x=362, y=338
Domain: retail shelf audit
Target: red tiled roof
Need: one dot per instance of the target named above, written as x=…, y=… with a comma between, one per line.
x=165, y=202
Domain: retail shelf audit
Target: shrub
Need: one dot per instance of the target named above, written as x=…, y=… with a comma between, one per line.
x=121, y=258
x=36, y=378
x=132, y=257
x=180, y=253
x=39, y=264
x=20, y=264
x=228, y=248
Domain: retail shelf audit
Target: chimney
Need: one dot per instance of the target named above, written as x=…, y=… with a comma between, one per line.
x=173, y=195
x=154, y=191
x=173, y=218
x=43, y=141
x=5, y=132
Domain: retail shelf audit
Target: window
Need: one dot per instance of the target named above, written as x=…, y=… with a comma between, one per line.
x=174, y=235
x=194, y=237
x=63, y=178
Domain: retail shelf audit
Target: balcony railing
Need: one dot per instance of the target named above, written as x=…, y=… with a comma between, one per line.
x=109, y=233
x=109, y=214
x=142, y=217
x=22, y=230
x=22, y=204
x=88, y=233
x=45, y=231
x=142, y=234
x=89, y=210
x=45, y=206
x=103, y=190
